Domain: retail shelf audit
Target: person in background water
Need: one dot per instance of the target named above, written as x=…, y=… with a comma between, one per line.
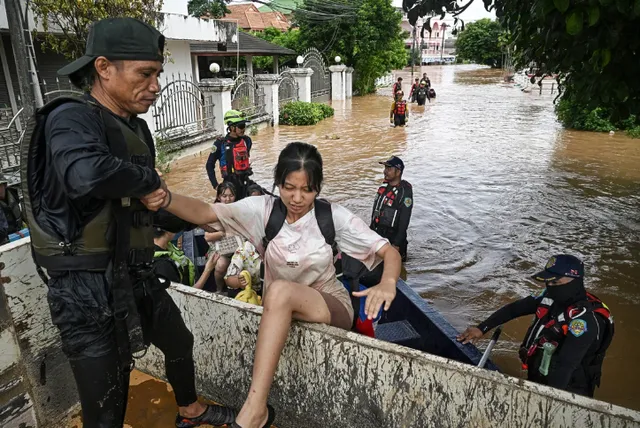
x=397, y=86
x=399, y=112
x=10, y=203
x=232, y=152
x=171, y=264
x=103, y=295
x=422, y=94
x=426, y=80
x=570, y=333
x=414, y=90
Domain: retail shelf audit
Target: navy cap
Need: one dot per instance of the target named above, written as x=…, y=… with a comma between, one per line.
x=395, y=162
x=559, y=266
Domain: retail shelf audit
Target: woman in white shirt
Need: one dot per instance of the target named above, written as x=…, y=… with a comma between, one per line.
x=300, y=281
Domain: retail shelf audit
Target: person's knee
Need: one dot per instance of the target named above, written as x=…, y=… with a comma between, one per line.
x=278, y=295
x=181, y=347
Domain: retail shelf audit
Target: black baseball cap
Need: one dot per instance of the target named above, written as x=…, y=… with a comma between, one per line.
x=119, y=39
x=395, y=162
x=561, y=265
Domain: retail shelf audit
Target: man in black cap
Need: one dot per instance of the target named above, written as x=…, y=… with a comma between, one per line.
x=570, y=333
x=89, y=162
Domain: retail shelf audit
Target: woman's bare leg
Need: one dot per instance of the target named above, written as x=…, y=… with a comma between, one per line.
x=283, y=301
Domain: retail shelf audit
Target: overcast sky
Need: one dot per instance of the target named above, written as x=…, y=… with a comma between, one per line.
x=476, y=11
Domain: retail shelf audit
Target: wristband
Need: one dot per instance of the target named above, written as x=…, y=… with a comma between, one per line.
x=169, y=201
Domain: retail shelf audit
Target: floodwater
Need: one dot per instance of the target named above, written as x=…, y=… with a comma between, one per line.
x=499, y=186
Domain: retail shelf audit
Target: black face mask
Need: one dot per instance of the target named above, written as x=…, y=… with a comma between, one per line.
x=565, y=295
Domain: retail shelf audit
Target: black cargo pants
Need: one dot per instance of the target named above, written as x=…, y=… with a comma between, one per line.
x=80, y=308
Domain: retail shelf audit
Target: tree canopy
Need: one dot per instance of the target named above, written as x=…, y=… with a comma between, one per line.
x=289, y=39
x=480, y=43
x=74, y=18
x=593, y=45
x=366, y=34
x=212, y=8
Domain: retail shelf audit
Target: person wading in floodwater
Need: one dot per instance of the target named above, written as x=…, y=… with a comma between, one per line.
x=399, y=112
x=89, y=162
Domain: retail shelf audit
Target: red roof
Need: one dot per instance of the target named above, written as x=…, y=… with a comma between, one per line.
x=249, y=18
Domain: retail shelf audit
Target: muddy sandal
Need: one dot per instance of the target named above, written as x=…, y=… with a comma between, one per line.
x=270, y=418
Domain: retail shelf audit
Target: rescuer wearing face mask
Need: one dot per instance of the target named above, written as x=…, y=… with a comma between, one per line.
x=570, y=332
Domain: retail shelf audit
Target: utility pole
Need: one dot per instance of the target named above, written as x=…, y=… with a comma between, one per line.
x=21, y=56
x=444, y=30
x=413, y=52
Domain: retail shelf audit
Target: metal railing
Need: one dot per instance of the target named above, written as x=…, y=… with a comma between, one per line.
x=57, y=88
x=248, y=97
x=320, y=79
x=182, y=112
x=11, y=138
x=288, y=90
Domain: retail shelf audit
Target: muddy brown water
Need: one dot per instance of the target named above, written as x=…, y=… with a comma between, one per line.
x=498, y=187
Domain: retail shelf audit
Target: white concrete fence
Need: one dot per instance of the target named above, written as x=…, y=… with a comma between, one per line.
x=326, y=376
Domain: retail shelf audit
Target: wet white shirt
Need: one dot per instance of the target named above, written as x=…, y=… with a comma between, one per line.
x=299, y=252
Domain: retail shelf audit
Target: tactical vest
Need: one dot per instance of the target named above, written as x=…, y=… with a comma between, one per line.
x=236, y=157
x=186, y=268
x=94, y=246
x=385, y=209
x=401, y=108
x=554, y=329
x=11, y=208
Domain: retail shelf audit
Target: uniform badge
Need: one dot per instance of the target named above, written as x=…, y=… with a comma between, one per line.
x=408, y=202
x=538, y=293
x=578, y=327
x=550, y=263
x=214, y=149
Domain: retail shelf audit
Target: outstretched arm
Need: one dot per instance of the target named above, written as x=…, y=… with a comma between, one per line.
x=189, y=209
x=383, y=293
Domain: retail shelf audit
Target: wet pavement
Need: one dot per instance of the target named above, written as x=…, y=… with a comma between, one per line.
x=499, y=186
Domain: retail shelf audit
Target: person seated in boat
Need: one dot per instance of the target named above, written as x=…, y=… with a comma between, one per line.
x=422, y=94
x=399, y=112
x=171, y=264
x=255, y=190
x=245, y=258
x=414, y=90
x=300, y=278
x=225, y=194
x=570, y=332
x=232, y=152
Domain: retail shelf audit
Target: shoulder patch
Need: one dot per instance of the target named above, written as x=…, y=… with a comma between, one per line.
x=214, y=149
x=538, y=293
x=578, y=327
x=408, y=202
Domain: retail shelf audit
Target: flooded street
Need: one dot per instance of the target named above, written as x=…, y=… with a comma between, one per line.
x=499, y=186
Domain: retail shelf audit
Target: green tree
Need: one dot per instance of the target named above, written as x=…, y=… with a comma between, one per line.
x=593, y=45
x=211, y=8
x=289, y=39
x=73, y=19
x=479, y=43
x=365, y=34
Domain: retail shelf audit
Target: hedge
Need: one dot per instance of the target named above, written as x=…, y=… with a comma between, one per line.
x=302, y=113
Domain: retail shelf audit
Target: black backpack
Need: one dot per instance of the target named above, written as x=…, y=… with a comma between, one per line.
x=351, y=268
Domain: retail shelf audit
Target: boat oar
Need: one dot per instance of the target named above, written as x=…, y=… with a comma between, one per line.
x=492, y=343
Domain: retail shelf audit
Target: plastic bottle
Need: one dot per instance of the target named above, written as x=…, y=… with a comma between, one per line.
x=548, y=348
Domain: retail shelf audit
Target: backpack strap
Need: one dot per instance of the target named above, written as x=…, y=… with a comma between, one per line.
x=324, y=218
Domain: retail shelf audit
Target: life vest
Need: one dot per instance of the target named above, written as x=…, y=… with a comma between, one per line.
x=385, y=207
x=396, y=87
x=547, y=328
x=185, y=266
x=236, y=157
x=401, y=108
x=94, y=246
x=11, y=209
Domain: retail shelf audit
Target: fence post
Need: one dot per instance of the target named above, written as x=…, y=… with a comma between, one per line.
x=338, y=81
x=220, y=92
x=303, y=79
x=269, y=82
x=348, y=82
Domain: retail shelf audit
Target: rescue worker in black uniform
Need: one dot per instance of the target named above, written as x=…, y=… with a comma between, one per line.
x=573, y=327
x=232, y=152
x=10, y=204
x=89, y=162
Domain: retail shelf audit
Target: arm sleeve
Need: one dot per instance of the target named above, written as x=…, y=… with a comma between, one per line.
x=245, y=218
x=355, y=238
x=4, y=227
x=211, y=168
x=404, y=216
x=573, y=350
x=83, y=163
x=393, y=107
x=526, y=306
x=249, y=143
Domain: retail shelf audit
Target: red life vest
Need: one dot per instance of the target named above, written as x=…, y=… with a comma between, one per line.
x=547, y=328
x=237, y=157
x=401, y=108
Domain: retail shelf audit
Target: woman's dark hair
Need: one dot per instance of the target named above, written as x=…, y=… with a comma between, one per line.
x=158, y=232
x=224, y=186
x=254, y=188
x=299, y=157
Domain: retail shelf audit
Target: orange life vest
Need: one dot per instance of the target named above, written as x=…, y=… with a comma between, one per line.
x=238, y=159
x=401, y=108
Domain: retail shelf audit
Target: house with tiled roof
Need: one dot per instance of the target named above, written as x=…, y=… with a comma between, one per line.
x=249, y=18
